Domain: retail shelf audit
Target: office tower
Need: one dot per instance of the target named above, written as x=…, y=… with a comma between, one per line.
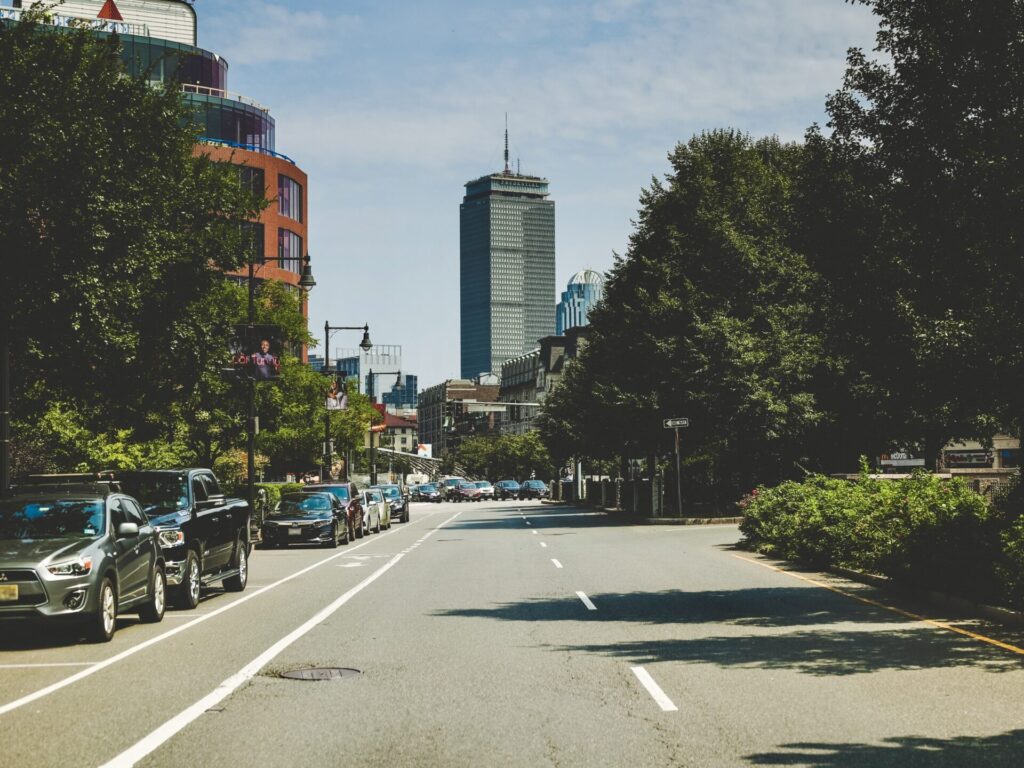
x=584, y=290
x=507, y=268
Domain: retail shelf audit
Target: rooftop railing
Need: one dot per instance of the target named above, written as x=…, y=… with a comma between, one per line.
x=204, y=90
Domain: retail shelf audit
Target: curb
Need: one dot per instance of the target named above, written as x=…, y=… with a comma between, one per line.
x=674, y=520
x=939, y=599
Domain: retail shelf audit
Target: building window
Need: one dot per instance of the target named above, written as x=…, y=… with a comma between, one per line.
x=289, y=197
x=252, y=242
x=252, y=180
x=289, y=250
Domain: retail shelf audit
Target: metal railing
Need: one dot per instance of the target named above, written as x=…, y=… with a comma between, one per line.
x=249, y=147
x=205, y=90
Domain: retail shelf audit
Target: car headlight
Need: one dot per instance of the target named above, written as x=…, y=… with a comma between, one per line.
x=78, y=567
x=171, y=538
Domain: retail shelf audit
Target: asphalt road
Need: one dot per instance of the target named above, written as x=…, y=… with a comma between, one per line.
x=517, y=634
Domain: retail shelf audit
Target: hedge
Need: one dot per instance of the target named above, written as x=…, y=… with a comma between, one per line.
x=921, y=531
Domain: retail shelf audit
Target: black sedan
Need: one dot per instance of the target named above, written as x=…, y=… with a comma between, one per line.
x=306, y=518
x=428, y=492
x=534, y=489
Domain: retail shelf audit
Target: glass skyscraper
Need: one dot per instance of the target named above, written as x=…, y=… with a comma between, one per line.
x=584, y=290
x=507, y=269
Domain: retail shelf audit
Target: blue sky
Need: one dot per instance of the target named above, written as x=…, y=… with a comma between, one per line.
x=391, y=106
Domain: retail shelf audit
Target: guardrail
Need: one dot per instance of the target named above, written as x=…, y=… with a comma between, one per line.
x=205, y=90
x=249, y=147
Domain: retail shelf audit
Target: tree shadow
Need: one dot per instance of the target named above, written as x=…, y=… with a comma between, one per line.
x=1003, y=750
x=823, y=636
x=37, y=634
x=763, y=607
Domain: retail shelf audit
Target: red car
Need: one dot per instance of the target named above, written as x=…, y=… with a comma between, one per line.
x=468, y=492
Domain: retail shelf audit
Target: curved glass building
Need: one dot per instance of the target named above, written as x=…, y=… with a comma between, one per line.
x=584, y=290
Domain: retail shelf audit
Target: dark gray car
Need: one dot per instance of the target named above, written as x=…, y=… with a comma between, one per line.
x=79, y=553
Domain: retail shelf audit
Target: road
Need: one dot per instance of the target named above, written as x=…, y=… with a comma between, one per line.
x=521, y=634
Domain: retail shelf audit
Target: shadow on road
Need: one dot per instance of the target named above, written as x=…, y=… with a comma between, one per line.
x=999, y=751
x=823, y=636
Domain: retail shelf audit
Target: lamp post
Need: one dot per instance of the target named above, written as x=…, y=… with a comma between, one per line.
x=365, y=345
x=373, y=446
x=306, y=282
x=5, y=413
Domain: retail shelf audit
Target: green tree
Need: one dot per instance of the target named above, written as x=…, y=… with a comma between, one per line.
x=710, y=315
x=911, y=215
x=114, y=232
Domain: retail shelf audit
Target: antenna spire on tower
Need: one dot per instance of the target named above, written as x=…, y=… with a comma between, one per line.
x=507, y=168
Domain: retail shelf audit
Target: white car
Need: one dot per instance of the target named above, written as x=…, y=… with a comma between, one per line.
x=376, y=511
x=486, y=489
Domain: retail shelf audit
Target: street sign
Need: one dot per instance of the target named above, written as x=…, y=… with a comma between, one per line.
x=676, y=423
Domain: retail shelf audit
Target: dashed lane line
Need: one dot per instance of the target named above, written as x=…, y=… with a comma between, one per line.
x=586, y=601
x=654, y=689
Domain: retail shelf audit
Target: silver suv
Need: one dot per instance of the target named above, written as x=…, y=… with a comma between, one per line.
x=81, y=553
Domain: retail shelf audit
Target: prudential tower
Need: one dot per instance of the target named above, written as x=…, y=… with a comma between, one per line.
x=507, y=268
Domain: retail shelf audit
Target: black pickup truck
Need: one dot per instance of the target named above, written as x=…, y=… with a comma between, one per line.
x=204, y=536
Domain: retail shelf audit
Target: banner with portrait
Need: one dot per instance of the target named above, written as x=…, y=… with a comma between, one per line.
x=256, y=351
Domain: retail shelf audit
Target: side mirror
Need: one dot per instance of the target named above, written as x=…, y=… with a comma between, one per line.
x=127, y=530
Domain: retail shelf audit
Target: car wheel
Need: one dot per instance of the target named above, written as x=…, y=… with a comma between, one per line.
x=101, y=625
x=153, y=611
x=237, y=582
x=187, y=594
x=332, y=543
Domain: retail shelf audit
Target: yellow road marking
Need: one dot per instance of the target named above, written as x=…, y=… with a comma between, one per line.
x=899, y=611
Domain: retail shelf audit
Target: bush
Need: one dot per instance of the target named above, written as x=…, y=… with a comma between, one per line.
x=921, y=531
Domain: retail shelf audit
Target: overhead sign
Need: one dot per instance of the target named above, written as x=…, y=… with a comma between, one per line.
x=677, y=423
x=899, y=459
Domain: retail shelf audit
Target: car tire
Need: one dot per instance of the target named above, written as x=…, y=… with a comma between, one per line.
x=332, y=543
x=187, y=593
x=237, y=582
x=101, y=625
x=152, y=611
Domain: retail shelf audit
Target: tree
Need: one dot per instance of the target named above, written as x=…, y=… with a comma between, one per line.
x=709, y=315
x=912, y=217
x=113, y=231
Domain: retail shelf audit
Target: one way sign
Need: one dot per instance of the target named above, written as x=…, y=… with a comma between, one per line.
x=676, y=423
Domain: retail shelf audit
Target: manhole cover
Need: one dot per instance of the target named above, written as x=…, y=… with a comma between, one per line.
x=320, y=673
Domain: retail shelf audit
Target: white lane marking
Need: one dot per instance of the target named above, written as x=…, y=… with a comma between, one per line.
x=352, y=565
x=544, y=544
x=528, y=522
x=557, y=564
x=586, y=601
x=534, y=532
x=52, y=664
x=654, y=689
x=36, y=695
x=151, y=742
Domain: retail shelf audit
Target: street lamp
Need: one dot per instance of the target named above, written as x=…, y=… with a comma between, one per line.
x=366, y=346
x=306, y=282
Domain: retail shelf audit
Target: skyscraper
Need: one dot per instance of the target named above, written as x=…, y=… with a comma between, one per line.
x=584, y=290
x=507, y=268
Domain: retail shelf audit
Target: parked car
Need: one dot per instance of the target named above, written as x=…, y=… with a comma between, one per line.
x=486, y=489
x=203, y=534
x=377, y=510
x=306, y=518
x=397, y=501
x=348, y=495
x=506, y=489
x=534, y=489
x=450, y=488
x=428, y=492
x=467, y=492
x=79, y=552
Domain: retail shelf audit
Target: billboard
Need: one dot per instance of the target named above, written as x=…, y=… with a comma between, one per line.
x=256, y=351
x=425, y=450
x=337, y=397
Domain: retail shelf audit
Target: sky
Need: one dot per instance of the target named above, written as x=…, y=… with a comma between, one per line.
x=391, y=106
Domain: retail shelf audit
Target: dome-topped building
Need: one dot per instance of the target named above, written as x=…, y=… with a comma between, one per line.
x=584, y=290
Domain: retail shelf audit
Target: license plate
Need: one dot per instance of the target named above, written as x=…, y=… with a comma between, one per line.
x=8, y=592
x=294, y=531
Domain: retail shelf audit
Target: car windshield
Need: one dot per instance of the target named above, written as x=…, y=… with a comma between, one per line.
x=158, y=493
x=467, y=486
x=57, y=518
x=391, y=491
x=428, y=487
x=533, y=484
x=340, y=491
x=375, y=495
x=301, y=505
x=483, y=484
